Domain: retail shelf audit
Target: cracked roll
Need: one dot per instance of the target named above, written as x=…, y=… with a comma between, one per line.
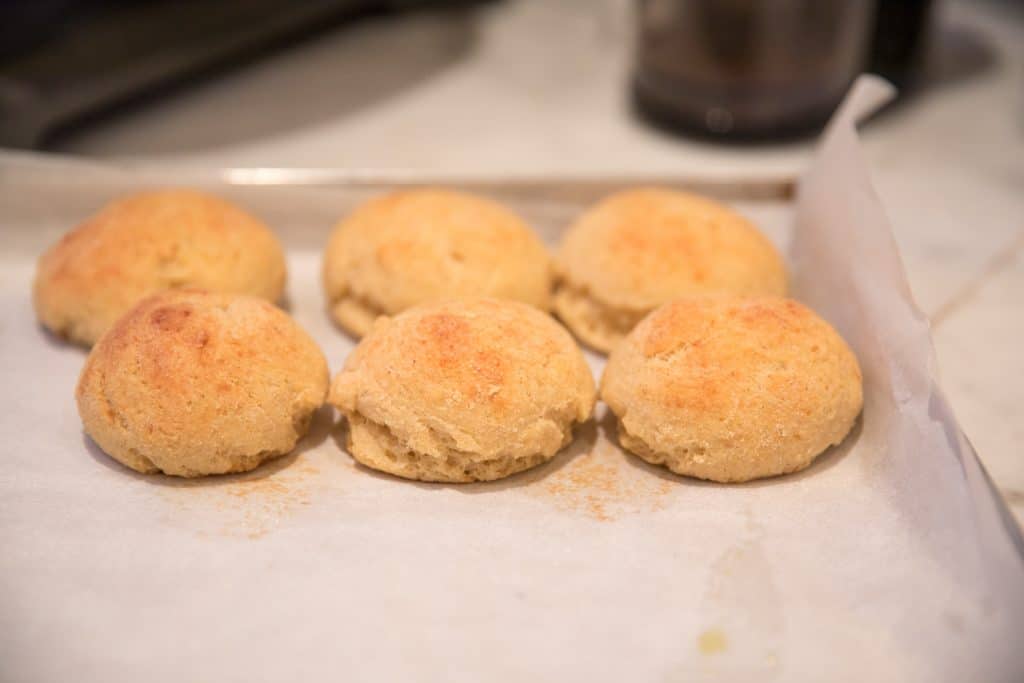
x=192, y=383
x=147, y=242
x=732, y=389
x=638, y=249
x=416, y=246
x=464, y=390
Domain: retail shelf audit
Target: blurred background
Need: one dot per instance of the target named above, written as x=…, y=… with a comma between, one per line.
x=642, y=90
x=522, y=86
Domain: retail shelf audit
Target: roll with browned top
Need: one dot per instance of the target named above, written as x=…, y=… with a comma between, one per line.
x=732, y=389
x=641, y=248
x=416, y=246
x=192, y=383
x=465, y=390
x=147, y=242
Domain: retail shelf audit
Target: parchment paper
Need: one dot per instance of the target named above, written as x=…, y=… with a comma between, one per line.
x=890, y=559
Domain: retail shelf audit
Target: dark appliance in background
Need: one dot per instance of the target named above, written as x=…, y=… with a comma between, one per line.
x=64, y=61
x=899, y=40
x=725, y=69
x=744, y=70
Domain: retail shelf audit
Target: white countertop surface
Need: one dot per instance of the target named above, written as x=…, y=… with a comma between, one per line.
x=528, y=87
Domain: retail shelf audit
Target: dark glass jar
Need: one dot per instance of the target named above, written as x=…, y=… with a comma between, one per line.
x=747, y=69
x=900, y=40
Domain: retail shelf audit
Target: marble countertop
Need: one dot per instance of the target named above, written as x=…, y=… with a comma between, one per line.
x=528, y=87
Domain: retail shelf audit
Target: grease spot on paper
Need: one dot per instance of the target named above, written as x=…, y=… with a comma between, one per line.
x=712, y=642
x=741, y=599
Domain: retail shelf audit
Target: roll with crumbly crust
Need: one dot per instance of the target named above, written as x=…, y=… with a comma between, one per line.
x=191, y=383
x=416, y=246
x=147, y=242
x=465, y=390
x=732, y=389
x=638, y=249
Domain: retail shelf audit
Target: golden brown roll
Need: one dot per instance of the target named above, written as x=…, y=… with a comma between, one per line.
x=415, y=246
x=147, y=242
x=192, y=383
x=465, y=390
x=638, y=249
x=731, y=389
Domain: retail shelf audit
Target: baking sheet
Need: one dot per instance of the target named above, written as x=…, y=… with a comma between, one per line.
x=890, y=559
